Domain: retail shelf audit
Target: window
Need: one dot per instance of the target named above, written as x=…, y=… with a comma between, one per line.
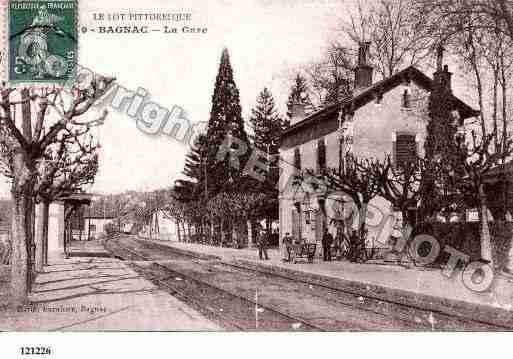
x=321, y=155
x=297, y=159
x=406, y=100
x=92, y=228
x=405, y=148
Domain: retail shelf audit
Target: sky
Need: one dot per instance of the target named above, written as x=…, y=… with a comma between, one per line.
x=267, y=41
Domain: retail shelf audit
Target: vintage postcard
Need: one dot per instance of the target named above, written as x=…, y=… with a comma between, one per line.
x=267, y=165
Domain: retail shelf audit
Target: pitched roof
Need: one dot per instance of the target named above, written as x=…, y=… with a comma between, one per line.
x=369, y=94
x=98, y=210
x=77, y=197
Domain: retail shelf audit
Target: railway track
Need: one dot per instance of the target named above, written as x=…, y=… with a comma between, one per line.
x=234, y=312
x=374, y=310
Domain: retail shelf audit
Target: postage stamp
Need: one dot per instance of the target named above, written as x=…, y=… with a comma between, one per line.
x=42, y=40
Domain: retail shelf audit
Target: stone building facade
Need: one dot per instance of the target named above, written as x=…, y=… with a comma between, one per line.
x=386, y=117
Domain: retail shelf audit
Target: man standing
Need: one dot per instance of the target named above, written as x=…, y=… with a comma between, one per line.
x=262, y=245
x=327, y=241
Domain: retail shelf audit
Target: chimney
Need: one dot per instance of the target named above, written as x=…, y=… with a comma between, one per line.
x=298, y=112
x=442, y=76
x=363, y=70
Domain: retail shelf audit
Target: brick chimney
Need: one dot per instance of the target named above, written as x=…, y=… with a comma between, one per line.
x=442, y=76
x=363, y=70
x=298, y=113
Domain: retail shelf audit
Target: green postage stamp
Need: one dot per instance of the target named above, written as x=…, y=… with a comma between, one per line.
x=42, y=40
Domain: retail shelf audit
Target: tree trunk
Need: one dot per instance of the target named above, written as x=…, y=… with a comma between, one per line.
x=31, y=244
x=235, y=234
x=485, y=236
x=211, y=231
x=39, y=239
x=177, y=222
x=250, y=234
x=150, y=225
x=45, y=214
x=20, y=254
x=157, y=225
x=222, y=234
x=509, y=261
x=362, y=219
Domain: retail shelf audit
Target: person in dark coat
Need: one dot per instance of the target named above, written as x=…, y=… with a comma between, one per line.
x=327, y=241
x=262, y=241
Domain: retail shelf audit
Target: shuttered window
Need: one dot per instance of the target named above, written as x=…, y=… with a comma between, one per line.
x=296, y=225
x=297, y=159
x=321, y=155
x=405, y=148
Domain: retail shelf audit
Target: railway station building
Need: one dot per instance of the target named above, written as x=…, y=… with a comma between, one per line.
x=380, y=118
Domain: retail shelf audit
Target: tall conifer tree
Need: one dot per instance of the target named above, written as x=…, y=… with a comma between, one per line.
x=268, y=127
x=267, y=123
x=194, y=188
x=439, y=191
x=225, y=117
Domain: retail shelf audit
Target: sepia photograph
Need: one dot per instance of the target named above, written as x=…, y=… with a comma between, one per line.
x=284, y=166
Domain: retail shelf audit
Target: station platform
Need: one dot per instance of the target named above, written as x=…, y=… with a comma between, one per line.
x=426, y=287
x=91, y=292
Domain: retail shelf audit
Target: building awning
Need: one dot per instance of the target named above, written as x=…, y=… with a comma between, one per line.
x=77, y=198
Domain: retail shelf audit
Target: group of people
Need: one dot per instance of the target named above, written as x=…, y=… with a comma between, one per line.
x=263, y=240
x=327, y=243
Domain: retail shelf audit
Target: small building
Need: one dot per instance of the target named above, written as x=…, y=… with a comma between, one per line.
x=161, y=226
x=95, y=226
x=60, y=219
x=90, y=222
x=385, y=117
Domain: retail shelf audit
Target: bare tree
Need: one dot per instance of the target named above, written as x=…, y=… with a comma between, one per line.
x=448, y=17
x=67, y=165
x=477, y=158
x=361, y=178
x=398, y=38
x=332, y=77
x=45, y=113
